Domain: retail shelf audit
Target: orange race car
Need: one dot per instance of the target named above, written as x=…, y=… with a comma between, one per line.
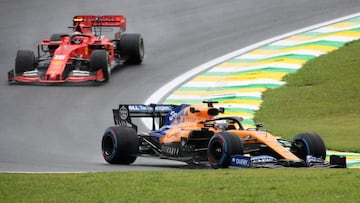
x=196, y=134
x=83, y=55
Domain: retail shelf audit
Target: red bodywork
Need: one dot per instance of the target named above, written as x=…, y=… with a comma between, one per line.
x=67, y=52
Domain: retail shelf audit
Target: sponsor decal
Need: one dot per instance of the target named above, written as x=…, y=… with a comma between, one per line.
x=31, y=73
x=149, y=109
x=240, y=161
x=263, y=159
x=123, y=112
x=57, y=63
x=163, y=108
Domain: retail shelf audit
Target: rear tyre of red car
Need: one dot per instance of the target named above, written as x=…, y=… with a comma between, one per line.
x=99, y=59
x=131, y=48
x=120, y=145
x=221, y=147
x=308, y=144
x=24, y=61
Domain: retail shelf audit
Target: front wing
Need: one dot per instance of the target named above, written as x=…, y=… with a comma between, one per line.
x=266, y=161
x=35, y=76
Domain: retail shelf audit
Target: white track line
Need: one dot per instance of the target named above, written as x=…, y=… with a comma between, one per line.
x=159, y=95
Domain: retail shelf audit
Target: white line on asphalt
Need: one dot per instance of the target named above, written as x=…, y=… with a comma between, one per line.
x=157, y=96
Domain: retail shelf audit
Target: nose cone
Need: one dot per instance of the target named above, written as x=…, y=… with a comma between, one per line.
x=53, y=76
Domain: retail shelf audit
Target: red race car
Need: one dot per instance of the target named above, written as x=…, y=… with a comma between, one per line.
x=81, y=56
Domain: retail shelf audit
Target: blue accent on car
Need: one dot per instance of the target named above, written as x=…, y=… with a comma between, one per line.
x=169, y=119
x=263, y=159
x=240, y=161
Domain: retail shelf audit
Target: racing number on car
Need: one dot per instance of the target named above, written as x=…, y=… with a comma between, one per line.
x=59, y=57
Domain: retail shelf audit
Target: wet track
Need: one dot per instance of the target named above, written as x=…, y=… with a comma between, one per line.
x=59, y=128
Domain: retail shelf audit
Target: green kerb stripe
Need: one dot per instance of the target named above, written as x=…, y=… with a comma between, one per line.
x=248, y=122
x=354, y=20
x=184, y=88
x=266, y=69
x=285, y=56
x=234, y=110
x=220, y=100
x=320, y=43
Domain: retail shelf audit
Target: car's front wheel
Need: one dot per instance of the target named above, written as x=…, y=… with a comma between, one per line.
x=24, y=61
x=221, y=147
x=99, y=59
x=308, y=143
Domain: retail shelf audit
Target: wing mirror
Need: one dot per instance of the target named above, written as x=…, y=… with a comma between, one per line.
x=259, y=125
x=193, y=110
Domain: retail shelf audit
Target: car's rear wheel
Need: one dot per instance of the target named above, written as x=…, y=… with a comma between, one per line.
x=221, y=147
x=99, y=59
x=308, y=143
x=24, y=61
x=120, y=145
x=131, y=48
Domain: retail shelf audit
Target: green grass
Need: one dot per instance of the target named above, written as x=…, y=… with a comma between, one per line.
x=323, y=97
x=226, y=185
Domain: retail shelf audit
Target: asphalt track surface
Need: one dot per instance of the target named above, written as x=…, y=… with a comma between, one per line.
x=59, y=128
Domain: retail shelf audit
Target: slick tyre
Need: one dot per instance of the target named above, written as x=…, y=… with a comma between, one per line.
x=308, y=144
x=221, y=147
x=99, y=59
x=24, y=61
x=131, y=48
x=54, y=38
x=120, y=145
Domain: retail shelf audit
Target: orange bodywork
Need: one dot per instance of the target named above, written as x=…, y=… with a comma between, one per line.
x=194, y=117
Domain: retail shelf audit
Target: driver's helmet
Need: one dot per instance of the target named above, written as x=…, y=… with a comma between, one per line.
x=76, y=33
x=220, y=125
x=76, y=39
x=223, y=125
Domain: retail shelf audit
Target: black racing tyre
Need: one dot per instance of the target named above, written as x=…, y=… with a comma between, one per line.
x=120, y=145
x=221, y=147
x=99, y=59
x=131, y=47
x=24, y=61
x=308, y=144
x=55, y=37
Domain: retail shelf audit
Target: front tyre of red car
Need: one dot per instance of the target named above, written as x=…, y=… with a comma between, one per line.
x=131, y=48
x=120, y=145
x=24, y=61
x=221, y=147
x=99, y=60
x=308, y=143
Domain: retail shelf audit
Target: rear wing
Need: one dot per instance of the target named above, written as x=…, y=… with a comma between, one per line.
x=105, y=21
x=123, y=114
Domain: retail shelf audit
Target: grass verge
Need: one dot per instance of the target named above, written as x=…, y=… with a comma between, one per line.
x=322, y=97
x=226, y=185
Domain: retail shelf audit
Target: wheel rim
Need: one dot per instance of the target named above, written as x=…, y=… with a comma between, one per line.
x=300, y=150
x=108, y=146
x=108, y=66
x=141, y=48
x=216, y=151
